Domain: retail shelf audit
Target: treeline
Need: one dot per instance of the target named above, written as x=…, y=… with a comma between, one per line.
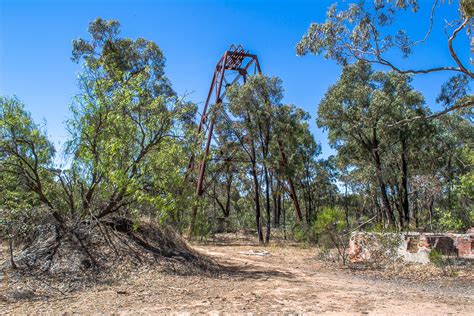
x=391, y=168
x=398, y=164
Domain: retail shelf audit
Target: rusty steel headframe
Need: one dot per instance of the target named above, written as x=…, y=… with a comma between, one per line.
x=234, y=65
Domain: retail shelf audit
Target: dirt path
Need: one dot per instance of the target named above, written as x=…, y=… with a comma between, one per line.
x=288, y=280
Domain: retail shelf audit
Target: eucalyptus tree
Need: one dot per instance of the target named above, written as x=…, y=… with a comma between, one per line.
x=368, y=31
x=294, y=140
x=358, y=111
x=404, y=142
x=446, y=156
x=275, y=138
x=253, y=104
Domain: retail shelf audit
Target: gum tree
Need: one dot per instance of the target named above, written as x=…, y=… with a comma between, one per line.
x=357, y=111
x=367, y=31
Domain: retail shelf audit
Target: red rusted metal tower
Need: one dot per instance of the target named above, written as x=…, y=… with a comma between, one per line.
x=234, y=66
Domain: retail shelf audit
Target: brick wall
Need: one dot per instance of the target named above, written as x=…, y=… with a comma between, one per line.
x=413, y=246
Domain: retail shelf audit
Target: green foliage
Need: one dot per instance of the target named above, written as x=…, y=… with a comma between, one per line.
x=387, y=250
x=26, y=175
x=273, y=136
x=449, y=221
x=436, y=257
x=131, y=137
x=464, y=190
x=300, y=234
x=124, y=153
x=329, y=219
x=379, y=228
x=369, y=31
x=204, y=227
x=244, y=218
x=332, y=231
x=357, y=28
x=459, y=215
x=467, y=8
x=360, y=113
x=125, y=125
x=445, y=263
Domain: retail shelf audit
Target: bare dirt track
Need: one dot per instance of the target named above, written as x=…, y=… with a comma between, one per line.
x=289, y=280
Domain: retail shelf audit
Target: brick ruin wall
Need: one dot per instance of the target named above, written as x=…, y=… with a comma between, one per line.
x=412, y=246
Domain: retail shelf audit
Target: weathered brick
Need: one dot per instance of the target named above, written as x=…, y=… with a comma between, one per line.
x=464, y=246
x=415, y=246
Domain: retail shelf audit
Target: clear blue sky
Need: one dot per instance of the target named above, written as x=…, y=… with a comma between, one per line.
x=36, y=36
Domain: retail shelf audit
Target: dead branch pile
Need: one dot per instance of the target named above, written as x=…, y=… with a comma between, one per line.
x=59, y=260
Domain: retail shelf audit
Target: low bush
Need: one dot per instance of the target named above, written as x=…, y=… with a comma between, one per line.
x=332, y=232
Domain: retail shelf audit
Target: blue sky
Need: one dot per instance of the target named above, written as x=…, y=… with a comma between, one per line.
x=36, y=36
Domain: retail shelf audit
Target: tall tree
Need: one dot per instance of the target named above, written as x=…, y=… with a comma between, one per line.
x=124, y=127
x=366, y=31
x=269, y=133
x=358, y=109
x=295, y=142
x=253, y=104
x=126, y=113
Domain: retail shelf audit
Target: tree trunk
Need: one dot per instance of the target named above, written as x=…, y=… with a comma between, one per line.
x=283, y=214
x=12, y=260
x=194, y=211
x=383, y=188
x=257, y=203
x=257, y=196
x=401, y=216
x=430, y=207
x=275, y=202
x=294, y=197
x=405, y=201
x=306, y=203
x=416, y=211
x=267, y=200
x=450, y=183
x=311, y=206
x=346, y=206
x=279, y=209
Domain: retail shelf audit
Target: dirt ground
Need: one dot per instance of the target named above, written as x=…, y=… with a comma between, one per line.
x=282, y=280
